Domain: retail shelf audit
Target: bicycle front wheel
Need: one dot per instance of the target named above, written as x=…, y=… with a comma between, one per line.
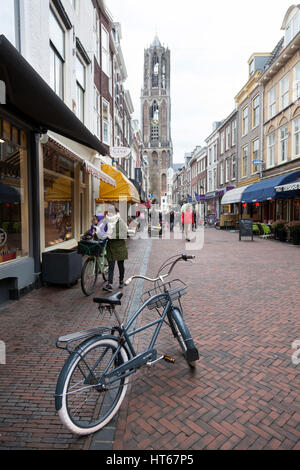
x=85, y=400
x=183, y=336
x=89, y=276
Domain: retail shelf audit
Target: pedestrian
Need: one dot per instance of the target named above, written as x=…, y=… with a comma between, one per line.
x=187, y=220
x=99, y=227
x=171, y=221
x=116, y=249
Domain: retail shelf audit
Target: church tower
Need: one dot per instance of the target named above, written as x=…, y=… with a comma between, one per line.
x=156, y=117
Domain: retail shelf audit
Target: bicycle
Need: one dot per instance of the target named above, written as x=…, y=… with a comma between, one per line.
x=95, y=263
x=94, y=379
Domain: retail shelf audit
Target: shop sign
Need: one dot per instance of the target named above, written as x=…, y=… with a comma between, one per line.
x=120, y=152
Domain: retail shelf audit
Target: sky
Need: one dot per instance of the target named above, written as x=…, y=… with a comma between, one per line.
x=210, y=44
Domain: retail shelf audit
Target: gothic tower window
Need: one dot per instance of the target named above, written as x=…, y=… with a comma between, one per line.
x=155, y=66
x=163, y=72
x=154, y=159
x=154, y=121
x=164, y=159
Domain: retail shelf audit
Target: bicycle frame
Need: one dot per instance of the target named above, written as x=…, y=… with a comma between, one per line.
x=149, y=354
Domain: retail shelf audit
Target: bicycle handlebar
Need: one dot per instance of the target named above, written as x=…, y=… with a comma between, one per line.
x=183, y=257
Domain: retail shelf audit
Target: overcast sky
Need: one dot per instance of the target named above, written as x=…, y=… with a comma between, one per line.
x=210, y=44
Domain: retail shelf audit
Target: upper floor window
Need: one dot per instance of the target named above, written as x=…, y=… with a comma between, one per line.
x=222, y=172
x=105, y=122
x=9, y=21
x=227, y=163
x=255, y=111
x=296, y=138
x=284, y=92
x=244, y=160
x=222, y=142
x=233, y=167
x=80, y=88
x=292, y=26
x=97, y=113
x=271, y=150
x=57, y=55
x=245, y=120
x=283, y=144
x=297, y=82
x=105, y=50
x=233, y=133
x=272, y=102
x=97, y=34
x=227, y=138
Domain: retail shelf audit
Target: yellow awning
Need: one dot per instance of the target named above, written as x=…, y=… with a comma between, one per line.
x=124, y=189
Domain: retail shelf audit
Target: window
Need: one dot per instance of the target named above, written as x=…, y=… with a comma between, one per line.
x=222, y=142
x=255, y=111
x=105, y=50
x=283, y=144
x=233, y=167
x=227, y=163
x=154, y=122
x=9, y=21
x=227, y=138
x=292, y=28
x=155, y=66
x=284, y=92
x=297, y=82
x=272, y=102
x=296, y=138
x=57, y=55
x=97, y=115
x=215, y=152
x=271, y=149
x=214, y=178
x=80, y=89
x=245, y=120
x=105, y=122
x=59, y=172
x=233, y=133
x=222, y=172
x=255, y=154
x=210, y=156
x=14, y=237
x=97, y=33
x=244, y=160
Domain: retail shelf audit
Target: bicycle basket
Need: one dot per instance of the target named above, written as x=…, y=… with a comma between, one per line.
x=172, y=290
x=90, y=247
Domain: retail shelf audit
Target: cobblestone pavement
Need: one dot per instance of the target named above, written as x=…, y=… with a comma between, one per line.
x=242, y=309
x=29, y=329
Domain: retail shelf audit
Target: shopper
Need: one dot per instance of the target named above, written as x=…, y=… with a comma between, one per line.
x=187, y=221
x=116, y=248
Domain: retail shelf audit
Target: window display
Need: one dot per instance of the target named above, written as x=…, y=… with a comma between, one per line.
x=14, y=242
x=58, y=196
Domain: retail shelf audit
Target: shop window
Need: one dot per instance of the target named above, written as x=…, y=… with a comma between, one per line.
x=58, y=196
x=14, y=241
x=296, y=209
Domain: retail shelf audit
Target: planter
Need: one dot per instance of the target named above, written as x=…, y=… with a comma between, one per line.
x=61, y=267
x=295, y=238
x=282, y=235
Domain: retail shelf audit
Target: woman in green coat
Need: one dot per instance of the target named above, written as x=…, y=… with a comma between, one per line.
x=116, y=248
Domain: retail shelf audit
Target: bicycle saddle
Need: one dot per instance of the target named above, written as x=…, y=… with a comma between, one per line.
x=111, y=300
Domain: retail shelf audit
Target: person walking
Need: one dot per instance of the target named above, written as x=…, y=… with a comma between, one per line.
x=187, y=221
x=116, y=249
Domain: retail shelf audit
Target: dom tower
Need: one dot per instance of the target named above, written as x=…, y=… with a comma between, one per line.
x=156, y=117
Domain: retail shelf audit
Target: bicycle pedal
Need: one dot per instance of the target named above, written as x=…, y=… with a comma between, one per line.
x=169, y=359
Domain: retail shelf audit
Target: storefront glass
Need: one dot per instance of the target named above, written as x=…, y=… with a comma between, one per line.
x=58, y=196
x=14, y=237
x=296, y=209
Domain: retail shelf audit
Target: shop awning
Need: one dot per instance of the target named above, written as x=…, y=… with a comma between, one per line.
x=32, y=99
x=124, y=189
x=289, y=189
x=234, y=195
x=265, y=190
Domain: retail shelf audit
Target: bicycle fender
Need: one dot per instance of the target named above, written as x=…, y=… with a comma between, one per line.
x=192, y=351
x=69, y=363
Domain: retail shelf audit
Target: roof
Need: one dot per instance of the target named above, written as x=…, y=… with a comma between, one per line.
x=274, y=54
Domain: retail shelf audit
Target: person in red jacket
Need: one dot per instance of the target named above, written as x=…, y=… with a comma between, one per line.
x=187, y=219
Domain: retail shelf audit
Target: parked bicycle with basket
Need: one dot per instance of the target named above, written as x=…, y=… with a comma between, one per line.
x=93, y=382
x=95, y=263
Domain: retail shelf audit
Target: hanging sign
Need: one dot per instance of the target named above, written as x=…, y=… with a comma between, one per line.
x=120, y=152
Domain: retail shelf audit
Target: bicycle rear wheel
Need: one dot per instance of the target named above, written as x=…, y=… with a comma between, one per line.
x=89, y=274
x=183, y=336
x=85, y=400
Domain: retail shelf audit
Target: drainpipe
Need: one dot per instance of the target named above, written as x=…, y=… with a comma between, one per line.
x=35, y=175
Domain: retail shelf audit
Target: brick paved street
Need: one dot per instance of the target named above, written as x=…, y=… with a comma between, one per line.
x=242, y=309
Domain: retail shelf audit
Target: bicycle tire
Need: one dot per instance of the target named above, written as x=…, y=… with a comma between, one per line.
x=182, y=334
x=89, y=277
x=95, y=401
